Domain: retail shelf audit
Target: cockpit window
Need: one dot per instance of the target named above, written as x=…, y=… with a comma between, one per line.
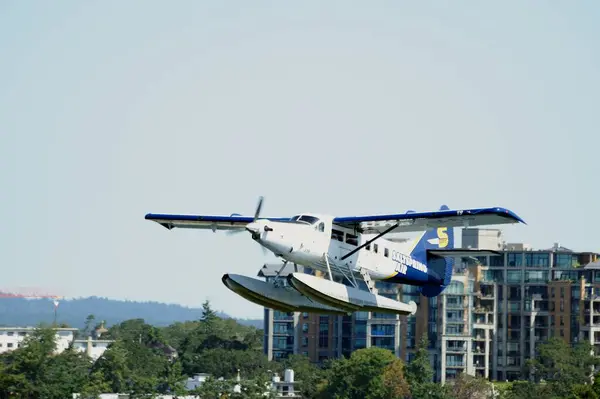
x=308, y=219
x=304, y=219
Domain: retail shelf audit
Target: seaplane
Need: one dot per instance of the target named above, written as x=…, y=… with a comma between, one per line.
x=346, y=255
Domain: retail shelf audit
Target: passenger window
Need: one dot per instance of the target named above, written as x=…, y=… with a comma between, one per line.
x=368, y=247
x=375, y=248
x=351, y=239
x=321, y=227
x=337, y=235
x=386, y=252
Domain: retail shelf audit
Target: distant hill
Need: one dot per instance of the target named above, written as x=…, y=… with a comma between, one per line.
x=31, y=312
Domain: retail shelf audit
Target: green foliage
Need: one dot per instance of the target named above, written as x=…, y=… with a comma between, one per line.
x=469, y=387
x=137, y=363
x=419, y=372
x=563, y=366
x=140, y=363
x=371, y=373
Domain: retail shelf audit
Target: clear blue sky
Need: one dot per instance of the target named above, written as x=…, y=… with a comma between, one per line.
x=110, y=110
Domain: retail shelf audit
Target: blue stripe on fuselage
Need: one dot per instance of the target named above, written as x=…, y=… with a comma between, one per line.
x=415, y=277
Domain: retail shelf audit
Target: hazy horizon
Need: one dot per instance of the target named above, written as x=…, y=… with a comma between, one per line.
x=113, y=110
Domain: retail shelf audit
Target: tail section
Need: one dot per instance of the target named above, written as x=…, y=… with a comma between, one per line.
x=441, y=238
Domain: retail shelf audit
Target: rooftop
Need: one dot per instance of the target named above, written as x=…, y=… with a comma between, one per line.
x=16, y=328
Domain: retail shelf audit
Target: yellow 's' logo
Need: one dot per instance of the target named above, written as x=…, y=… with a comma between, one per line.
x=442, y=233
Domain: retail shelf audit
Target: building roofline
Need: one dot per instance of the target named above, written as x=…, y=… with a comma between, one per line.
x=5, y=328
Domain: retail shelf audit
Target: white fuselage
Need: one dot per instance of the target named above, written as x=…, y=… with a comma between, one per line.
x=309, y=239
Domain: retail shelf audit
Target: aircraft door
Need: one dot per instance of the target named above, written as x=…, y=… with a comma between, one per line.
x=321, y=237
x=342, y=243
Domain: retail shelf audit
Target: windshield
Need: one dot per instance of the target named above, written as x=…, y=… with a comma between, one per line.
x=304, y=219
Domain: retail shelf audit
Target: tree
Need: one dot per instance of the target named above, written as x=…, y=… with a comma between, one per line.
x=583, y=392
x=112, y=366
x=28, y=364
x=468, y=387
x=563, y=366
x=419, y=375
x=89, y=320
x=226, y=363
x=395, y=385
x=522, y=390
x=213, y=388
x=35, y=370
x=64, y=374
x=362, y=375
x=173, y=380
x=419, y=372
x=208, y=314
x=258, y=387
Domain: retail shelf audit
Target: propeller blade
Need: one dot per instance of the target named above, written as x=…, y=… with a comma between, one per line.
x=258, y=207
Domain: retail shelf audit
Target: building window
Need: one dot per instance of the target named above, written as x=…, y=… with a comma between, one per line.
x=515, y=259
x=537, y=260
x=514, y=276
x=497, y=261
x=305, y=327
x=563, y=260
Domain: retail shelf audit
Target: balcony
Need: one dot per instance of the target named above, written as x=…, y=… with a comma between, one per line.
x=286, y=332
x=456, y=348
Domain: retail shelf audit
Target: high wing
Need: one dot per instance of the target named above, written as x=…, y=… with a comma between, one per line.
x=420, y=221
x=233, y=222
x=460, y=252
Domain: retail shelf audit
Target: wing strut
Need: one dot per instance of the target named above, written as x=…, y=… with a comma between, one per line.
x=370, y=241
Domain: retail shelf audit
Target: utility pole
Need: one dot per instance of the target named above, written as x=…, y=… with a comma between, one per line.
x=55, y=309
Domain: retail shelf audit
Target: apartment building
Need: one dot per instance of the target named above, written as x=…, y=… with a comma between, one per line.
x=12, y=338
x=488, y=322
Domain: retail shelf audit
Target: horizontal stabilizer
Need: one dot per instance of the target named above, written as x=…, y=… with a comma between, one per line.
x=431, y=291
x=459, y=252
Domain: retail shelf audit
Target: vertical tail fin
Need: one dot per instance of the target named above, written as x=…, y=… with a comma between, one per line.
x=438, y=238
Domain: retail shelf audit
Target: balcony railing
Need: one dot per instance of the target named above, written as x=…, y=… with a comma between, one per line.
x=456, y=349
x=455, y=364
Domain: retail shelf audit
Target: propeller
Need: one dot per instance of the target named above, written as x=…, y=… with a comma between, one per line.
x=256, y=216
